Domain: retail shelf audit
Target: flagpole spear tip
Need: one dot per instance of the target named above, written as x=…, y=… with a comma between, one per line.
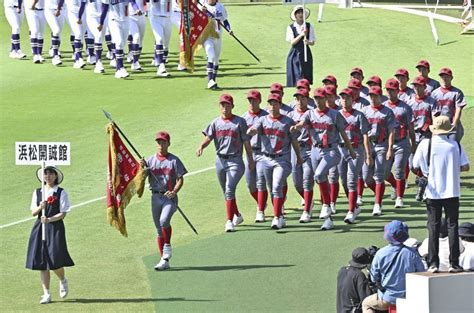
x=107, y=115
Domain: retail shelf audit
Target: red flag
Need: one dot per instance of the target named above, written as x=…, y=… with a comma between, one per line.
x=195, y=28
x=125, y=178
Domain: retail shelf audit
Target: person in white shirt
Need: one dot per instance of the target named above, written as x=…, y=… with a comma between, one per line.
x=34, y=11
x=440, y=158
x=14, y=13
x=159, y=13
x=466, y=233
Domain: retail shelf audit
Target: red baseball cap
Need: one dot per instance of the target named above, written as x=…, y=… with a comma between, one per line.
x=357, y=70
x=331, y=79
x=254, y=94
x=423, y=63
x=402, y=72
x=226, y=98
x=276, y=87
x=301, y=92
x=445, y=71
x=346, y=91
x=392, y=83
x=302, y=83
x=275, y=97
x=375, y=80
x=162, y=135
x=319, y=93
x=330, y=90
x=375, y=90
x=419, y=80
x=354, y=83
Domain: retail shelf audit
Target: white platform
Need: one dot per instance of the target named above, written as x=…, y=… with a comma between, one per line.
x=438, y=293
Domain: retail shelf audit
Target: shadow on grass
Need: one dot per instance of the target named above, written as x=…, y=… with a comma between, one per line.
x=227, y=267
x=133, y=300
x=448, y=43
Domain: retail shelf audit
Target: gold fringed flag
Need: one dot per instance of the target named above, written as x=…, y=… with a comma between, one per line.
x=125, y=178
x=195, y=28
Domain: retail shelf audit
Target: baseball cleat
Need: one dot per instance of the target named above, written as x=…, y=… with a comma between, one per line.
x=328, y=224
x=162, y=71
x=79, y=64
x=121, y=73
x=167, y=251
x=357, y=211
x=282, y=222
x=238, y=219
x=333, y=207
x=41, y=59
x=276, y=223
x=399, y=202
x=181, y=68
x=63, y=289
x=360, y=201
x=305, y=217
x=45, y=299
x=393, y=193
x=113, y=63
x=56, y=60
x=259, y=217
x=13, y=54
x=136, y=67
x=99, y=67
x=229, y=226
x=20, y=55
x=91, y=59
x=211, y=84
x=350, y=218
x=325, y=211
x=162, y=265
x=377, y=210
x=36, y=60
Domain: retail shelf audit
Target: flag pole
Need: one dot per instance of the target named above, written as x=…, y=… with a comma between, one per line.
x=304, y=38
x=109, y=117
x=43, y=198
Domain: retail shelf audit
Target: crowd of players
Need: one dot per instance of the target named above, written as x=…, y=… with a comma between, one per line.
x=357, y=135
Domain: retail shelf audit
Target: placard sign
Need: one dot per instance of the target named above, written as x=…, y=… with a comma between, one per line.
x=35, y=153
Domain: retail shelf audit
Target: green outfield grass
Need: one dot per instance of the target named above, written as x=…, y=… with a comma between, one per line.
x=255, y=269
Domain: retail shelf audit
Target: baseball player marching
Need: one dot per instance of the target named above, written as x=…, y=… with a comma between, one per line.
x=350, y=169
x=325, y=126
x=75, y=10
x=166, y=177
x=405, y=92
x=159, y=13
x=277, y=89
x=382, y=124
x=423, y=68
x=93, y=13
x=257, y=187
x=213, y=43
x=358, y=73
x=15, y=14
x=229, y=133
x=303, y=84
x=137, y=31
x=302, y=174
x=277, y=141
x=34, y=10
x=54, y=14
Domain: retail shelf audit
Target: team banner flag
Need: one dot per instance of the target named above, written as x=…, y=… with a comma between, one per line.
x=195, y=28
x=125, y=178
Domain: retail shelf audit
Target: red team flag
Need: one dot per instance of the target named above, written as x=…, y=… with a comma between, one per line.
x=125, y=178
x=195, y=28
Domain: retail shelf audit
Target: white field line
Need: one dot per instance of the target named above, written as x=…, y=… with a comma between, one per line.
x=404, y=9
x=95, y=200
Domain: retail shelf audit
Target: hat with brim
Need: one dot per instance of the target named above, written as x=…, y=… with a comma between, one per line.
x=360, y=258
x=441, y=125
x=296, y=9
x=53, y=168
x=396, y=232
x=466, y=229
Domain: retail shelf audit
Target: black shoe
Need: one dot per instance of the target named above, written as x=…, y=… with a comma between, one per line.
x=421, y=182
x=455, y=269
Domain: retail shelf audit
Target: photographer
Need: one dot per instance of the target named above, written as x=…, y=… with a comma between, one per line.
x=389, y=267
x=353, y=285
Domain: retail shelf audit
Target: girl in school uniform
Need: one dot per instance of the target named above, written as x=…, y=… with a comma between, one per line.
x=51, y=254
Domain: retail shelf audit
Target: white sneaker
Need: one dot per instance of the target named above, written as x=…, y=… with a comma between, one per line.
x=45, y=299
x=41, y=59
x=167, y=251
x=325, y=211
x=305, y=217
x=63, y=289
x=20, y=55
x=211, y=84
x=393, y=193
x=433, y=269
x=229, y=226
x=162, y=265
x=56, y=60
x=399, y=202
x=109, y=55
x=79, y=64
x=181, y=68
x=357, y=211
x=377, y=211
x=350, y=218
x=136, y=67
x=121, y=73
x=360, y=201
x=99, y=67
x=328, y=224
x=333, y=207
x=91, y=59
x=13, y=54
x=276, y=223
x=113, y=63
x=238, y=219
x=162, y=71
x=36, y=59
x=282, y=222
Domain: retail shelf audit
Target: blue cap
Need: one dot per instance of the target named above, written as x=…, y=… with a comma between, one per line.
x=396, y=232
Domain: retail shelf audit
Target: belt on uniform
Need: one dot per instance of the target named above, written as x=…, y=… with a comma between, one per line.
x=257, y=149
x=226, y=156
x=303, y=144
x=354, y=145
x=399, y=140
x=158, y=192
x=377, y=141
x=273, y=156
x=321, y=146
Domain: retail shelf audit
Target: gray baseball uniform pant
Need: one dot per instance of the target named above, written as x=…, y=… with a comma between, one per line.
x=322, y=160
x=302, y=174
x=229, y=172
x=162, y=209
x=349, y=168
x=377, y=171
x=275, y=171
x=401, y=153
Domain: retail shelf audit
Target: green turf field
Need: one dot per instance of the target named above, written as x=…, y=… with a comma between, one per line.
x=253, y=270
